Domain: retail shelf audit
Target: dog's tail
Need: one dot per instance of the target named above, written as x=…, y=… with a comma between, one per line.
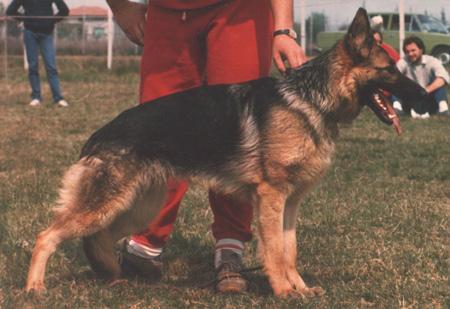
x=99, y=250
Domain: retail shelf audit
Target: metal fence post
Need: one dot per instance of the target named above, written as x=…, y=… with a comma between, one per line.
x=401, y=13
x=5, y=35
x=110, y=39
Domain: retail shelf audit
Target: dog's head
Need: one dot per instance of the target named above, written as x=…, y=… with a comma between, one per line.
x=374, y=71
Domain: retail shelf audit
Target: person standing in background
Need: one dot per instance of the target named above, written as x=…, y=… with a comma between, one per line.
x=38, y=36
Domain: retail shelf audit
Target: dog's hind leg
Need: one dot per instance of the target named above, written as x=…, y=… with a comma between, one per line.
x=92, y=196
x=46, y=244
x=68, y=225
x=99, y=247
x=99, y=250
x=290, y=248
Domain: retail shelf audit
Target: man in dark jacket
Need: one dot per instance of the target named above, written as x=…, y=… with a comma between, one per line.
x=38, y=35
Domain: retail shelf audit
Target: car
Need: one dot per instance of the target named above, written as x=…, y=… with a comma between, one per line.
x=434, y=34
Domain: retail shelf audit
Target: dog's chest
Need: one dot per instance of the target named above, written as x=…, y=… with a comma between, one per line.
x=310, y=165
x=300, y=164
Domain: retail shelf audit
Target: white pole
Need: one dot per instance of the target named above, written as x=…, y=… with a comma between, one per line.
x=401, y=13
x=110, y=38
x=83, y=34
x=302, y=24
x=5, y=35
x=311, y=31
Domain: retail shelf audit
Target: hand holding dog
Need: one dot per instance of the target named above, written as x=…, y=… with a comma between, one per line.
x=131, y=17
x=286, y=48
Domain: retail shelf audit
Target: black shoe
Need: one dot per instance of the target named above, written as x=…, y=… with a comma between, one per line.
x=149, y=268
x=444, y=113
x=229, y=277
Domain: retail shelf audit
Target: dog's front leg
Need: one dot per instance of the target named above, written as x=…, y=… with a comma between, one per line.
x=270, y=231
x=290, y=248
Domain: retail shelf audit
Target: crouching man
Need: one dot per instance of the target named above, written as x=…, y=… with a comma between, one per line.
x=428, y=72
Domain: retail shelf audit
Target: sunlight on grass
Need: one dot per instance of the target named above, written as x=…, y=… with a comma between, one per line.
x=374, y=233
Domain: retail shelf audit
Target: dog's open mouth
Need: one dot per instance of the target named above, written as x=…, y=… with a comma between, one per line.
x=382, y=107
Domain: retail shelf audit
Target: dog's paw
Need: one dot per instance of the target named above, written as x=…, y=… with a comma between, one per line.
x=311, y=292
x=283, y=290
x=117, y=282
x=35, y=288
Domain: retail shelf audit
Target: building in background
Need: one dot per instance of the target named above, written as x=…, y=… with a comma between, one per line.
x=93, y=19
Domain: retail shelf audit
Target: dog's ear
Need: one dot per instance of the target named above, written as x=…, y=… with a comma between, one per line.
x=359, y=38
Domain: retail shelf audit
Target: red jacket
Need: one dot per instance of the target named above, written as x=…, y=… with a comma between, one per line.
x=391, y=52
x=184, y=4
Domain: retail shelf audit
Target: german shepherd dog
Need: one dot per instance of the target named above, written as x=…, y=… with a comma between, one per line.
x=268, y=141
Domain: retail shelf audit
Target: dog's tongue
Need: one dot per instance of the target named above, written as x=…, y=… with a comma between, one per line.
x=394, y=117
x=386, y=110
x=396, y=123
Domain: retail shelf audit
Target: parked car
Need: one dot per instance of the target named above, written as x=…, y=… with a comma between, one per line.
x=433, y=33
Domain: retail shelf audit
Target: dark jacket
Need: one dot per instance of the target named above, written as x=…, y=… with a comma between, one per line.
x=38, y=8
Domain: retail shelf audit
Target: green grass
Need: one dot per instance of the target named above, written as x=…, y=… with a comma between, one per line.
x=374, y=233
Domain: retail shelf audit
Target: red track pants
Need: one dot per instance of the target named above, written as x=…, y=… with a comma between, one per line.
x=224, y=43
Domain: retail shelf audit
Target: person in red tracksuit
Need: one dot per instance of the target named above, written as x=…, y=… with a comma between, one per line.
x=192, y=43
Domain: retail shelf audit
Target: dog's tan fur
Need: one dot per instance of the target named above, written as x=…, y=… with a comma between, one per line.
x=110, y=194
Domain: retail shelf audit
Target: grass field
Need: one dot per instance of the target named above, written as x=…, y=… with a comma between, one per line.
x=375, y=233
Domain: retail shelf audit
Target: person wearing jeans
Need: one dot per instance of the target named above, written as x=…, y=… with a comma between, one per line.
x=38, y=37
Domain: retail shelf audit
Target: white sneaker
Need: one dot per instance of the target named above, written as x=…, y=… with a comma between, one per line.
x=35, y=102
x=414, y=115
x=425, y=116
x=398, y=108
x=397, y=105
x=443, y=107
x=62, y=103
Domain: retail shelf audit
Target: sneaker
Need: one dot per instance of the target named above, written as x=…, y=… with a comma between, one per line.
x=443, y=107
x=398, y=108
x=62, y=103
x=444, y=113
x=149, y=268
x=35, y=102
x=425, y=116
x=415, y=115
x=229, y=277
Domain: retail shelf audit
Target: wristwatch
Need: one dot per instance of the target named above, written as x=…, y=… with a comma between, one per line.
x=289, y=32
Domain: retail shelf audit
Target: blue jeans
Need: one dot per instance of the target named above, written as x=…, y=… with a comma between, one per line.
x=35, y=42
x=440, y=94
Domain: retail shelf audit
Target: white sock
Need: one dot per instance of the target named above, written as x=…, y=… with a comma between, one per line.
x=443, y=106
x=230, y=244
x=143, y=251
x=397, y=105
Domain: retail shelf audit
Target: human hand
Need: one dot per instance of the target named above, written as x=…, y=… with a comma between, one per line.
x=286, y=48
x=131, y=18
